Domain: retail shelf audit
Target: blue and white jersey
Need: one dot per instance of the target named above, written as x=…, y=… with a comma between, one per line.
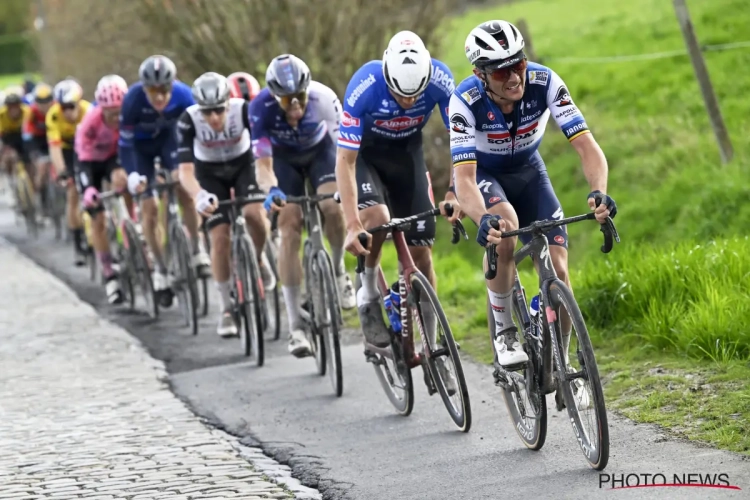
x=371, y=110
x=269, y=128
x=480, y=132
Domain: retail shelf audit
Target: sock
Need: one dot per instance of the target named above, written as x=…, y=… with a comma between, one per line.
x=78, y=239
x=430, y=324
x=105, y=258
x=225, y=298
x=566, y=346
x=292, y=299
x=337, y=256
x=370, y=284
x=196, y=244
x=501, y=309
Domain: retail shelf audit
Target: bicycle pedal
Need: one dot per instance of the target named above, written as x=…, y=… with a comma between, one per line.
x=501, y=380
x=559, y=401
x=372, y=358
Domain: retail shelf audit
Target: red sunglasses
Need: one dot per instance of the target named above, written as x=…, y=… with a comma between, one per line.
x=502, y=74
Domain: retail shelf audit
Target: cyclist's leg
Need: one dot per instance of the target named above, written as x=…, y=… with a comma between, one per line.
x=322, y=176
x=144, y=156
x=73, y=210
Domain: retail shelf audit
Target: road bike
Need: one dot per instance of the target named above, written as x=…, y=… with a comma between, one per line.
x=415, y=296
x=135, y=243
x=115, y=214
x=250, y=308
x=323, y=311
x=54, y=194
x=25, y=196
x=525, y=390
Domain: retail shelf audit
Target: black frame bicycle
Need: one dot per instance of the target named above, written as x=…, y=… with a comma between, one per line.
x=136, y=245
x=325, y=320
x=542, y=343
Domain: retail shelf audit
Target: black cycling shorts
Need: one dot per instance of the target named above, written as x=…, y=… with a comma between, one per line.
x=219, y=178
x=94, y=173
x=14, y=140
x=37, y=146
x=293, y=167
x=394, y=173
x=69, y=155
x=530, y=193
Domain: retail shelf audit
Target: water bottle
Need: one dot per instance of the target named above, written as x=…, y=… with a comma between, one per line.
x=534, y=313
x=392, y=303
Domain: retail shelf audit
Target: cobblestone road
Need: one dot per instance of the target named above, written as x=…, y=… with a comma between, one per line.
x=84, y=411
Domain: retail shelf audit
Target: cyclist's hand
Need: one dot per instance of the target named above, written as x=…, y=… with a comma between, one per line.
x=453, y=201
x=488, y=234
x=136, y=183
x=270, y=205
x=206, y=203
x=602, y=205
x=352, y=244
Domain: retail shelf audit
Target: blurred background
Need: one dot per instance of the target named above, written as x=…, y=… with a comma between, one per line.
x=675, y=293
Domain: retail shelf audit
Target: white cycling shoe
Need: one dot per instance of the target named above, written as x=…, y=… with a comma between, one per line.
x=508, y=348
x=298, y=344
x=202, y=264
x=347, y=297
x=227, y=326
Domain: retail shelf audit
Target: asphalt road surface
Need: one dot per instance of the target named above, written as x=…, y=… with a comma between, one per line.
x=356, y=447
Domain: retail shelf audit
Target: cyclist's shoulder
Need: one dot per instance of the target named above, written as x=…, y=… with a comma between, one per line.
x=53, y=114
x=365, y=83
x=442, y=78
x=86, y=106
x=538, y=77
x=261, y=104
x=470, y=91
x=318, y=89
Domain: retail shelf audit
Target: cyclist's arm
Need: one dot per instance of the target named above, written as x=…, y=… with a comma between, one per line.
x=464, y=153
x=185, y=157
x=351, y=129
x=444, y=88
x=346, y=183
x=54, y=139
x=331, y=113
x=128, y=122
x=571, y=122
x=262, y=147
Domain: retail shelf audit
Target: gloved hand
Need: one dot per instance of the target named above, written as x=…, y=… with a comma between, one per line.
x=205, y=202
x=603, y=205
x=484, y=228
x=136, y=182
x=90, y=197
x=269, y=203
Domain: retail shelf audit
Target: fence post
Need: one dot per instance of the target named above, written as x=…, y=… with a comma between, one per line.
x=528, y=45
x=701, y=74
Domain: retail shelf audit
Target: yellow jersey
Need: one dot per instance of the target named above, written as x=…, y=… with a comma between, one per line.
x=10, y=125
x=61, y=132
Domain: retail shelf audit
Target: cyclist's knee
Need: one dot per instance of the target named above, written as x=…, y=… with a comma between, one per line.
x=119, y=179
x=376, y=215
x=422, y=257
x=220, y=239
x=559, y=257
x=331, y=210
x=290, y=218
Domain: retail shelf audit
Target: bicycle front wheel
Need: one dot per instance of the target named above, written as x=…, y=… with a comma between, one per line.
x=580, y=385
x=252, y=302
x=441, y=351
x=185, y=284
x=141, y=270
x=328, y=319
x=272, y=253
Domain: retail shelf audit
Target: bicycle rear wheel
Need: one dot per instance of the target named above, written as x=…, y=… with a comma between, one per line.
x=252, y=338
x=328, y=319
x=594, y=442
x=141, y=270
x=185, y=284
x=443, y=354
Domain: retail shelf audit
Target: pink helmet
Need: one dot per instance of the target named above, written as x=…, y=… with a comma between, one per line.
x=110, y=91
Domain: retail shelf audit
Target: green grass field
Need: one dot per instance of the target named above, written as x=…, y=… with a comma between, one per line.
x=668, y=307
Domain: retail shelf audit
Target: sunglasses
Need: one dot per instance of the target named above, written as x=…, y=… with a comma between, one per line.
x=288, y=100
x=68, y=106
x=158, y=90
x=217, y=110
x=502, y=74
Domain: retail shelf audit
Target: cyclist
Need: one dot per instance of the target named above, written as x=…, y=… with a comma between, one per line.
x=12, y=115
x=148, y=121
x=215, y=156
x=97, y=161
x=35, y=134
x=294, y=125
x=61, y=122
x=387, y=104
x=498, y=116
x=243, y=85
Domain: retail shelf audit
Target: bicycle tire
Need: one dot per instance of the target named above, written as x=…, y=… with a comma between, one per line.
x=204, y=302
x=56, y=207
x=330, y=332
x=421, y=289
x=272, y=254
x=560, y=295
x=186, y=282
x=253, y=338
x=141, y=271
x=312, y=287
x=532, y=434
x=29, y=210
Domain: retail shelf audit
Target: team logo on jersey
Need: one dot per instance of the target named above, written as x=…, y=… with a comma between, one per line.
x=359, y=89
x=538, y=77
x=562, y=98
x=491, y=115
x=459, y=124
x=400, y=123
x=472, y=95
x=348, y=120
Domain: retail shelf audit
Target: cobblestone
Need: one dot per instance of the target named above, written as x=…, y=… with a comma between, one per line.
x=85, y=412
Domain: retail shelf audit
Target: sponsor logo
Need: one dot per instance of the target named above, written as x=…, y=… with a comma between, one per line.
x=472, y=95
x=562, y=97
x=491, y=115
x=474, y=55
x=464, y=157
x=491, y=126
x=559, y=239
x=442, y=79
x=538, y=77
x=421, y=225
x=348, y=120
x=566, y=113
x=484, y=186
x=495, y=199
x=501, y=138
x=459, y=124
x=457, y=140
x=530, y=117
x=348, y=138
x=359, y=89
x=577, y=128
x=400, y=123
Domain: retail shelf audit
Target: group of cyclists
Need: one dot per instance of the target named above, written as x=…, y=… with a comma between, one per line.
x=226, y=133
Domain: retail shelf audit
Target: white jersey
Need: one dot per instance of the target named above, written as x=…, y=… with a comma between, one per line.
x=197, y=139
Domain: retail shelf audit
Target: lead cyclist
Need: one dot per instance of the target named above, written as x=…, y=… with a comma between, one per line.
x=498, y=117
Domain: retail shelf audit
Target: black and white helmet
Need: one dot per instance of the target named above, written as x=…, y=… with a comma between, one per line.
x=407, y=65
x=157, y=71
x=211, y=90
x=287, y=75
x=494, y=43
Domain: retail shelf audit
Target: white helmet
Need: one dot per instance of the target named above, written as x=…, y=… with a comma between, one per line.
x=407, y=65
x=494, y=42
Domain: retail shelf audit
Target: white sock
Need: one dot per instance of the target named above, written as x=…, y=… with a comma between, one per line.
x=430, y=324
x=225, y=297
x=566, y=346
x=293, y=300
x=501, y=309
x=337, y=257
x=370, y=284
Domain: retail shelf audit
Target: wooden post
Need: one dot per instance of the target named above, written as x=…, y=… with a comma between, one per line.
x=701, y=73
x=528, y=45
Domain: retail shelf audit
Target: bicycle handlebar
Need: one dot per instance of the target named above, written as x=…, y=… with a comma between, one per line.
x=544, y=226
x=245, y=200
x=316, y=198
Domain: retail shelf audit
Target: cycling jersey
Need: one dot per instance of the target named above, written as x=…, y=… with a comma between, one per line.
x=95, y=141
x=480, y=132
x=197, y=140
x=271, y=130
x=34, y=125
x=61, y=132
x=371, y=110
x=9, y=125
